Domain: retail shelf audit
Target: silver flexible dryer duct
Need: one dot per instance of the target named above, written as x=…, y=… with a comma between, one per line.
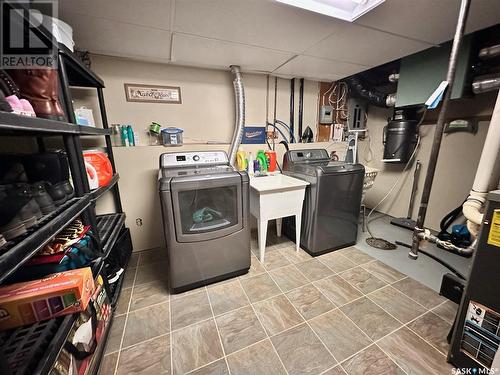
x=239, y=99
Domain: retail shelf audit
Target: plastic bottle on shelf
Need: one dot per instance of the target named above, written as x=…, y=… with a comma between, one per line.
x=130, y=135
x=250, y=164
x=124, y=135
x=241, y=159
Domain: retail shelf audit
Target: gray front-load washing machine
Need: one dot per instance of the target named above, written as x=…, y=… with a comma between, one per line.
x=331, y=203
x=205, y=212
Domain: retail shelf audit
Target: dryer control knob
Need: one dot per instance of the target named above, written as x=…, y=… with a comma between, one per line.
x=196, y=157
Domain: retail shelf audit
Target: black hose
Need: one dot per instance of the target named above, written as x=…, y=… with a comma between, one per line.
x=448, y=219
x=292, y=137
x=439, y=260
x=278, y=129
x=373, y=96
x=285, y=143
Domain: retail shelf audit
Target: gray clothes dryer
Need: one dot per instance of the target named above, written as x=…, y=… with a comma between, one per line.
x=205, y=208
x=332, y=200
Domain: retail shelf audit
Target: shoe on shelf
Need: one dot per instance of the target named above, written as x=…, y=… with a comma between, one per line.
x=23, y=191
x=20, y=106
x=12, y=169
x=27, y=108
x=15, y=104
x=64, y=168
x=114, y=274
x=56, y=192
x=16, y=215
x=4, y=104
x=51, y=167
x=42, y=197
x=41, y=88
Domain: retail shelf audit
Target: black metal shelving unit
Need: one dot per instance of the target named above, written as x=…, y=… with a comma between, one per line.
x=23, y=248
x=109, y=227
x=33, y=349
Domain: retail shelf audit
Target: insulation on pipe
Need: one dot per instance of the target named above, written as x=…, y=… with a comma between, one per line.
x=239, y=99
x=372, y=96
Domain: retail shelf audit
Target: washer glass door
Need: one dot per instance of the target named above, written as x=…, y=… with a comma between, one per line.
x=207, y=208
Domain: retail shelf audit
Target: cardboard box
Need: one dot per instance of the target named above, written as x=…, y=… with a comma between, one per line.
x=55, y=295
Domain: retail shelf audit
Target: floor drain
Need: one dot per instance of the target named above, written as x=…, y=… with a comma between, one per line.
x=380, y=243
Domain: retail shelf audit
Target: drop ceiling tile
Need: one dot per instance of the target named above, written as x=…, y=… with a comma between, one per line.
x=361, y=45
x=119, y=39
x=193, y=50
x=264, y=23
x=429, y=20
x=152, y=13
x=318, y=69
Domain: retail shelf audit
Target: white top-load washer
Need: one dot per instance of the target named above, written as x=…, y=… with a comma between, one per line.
x=205, y=208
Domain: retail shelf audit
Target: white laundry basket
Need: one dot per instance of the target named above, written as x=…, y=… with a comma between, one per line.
x=370, y=174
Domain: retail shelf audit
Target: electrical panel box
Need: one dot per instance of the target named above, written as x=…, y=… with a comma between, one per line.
x=326, y=114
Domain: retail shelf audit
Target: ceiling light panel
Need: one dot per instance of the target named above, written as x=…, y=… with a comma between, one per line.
x=347, y=10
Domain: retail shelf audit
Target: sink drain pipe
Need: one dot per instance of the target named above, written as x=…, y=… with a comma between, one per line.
x=419, y=231
x=239, y=100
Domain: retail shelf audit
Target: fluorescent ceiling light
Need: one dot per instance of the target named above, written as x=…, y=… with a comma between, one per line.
x=347, y=10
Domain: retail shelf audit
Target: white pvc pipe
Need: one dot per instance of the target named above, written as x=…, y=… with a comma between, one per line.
x=488, y=170
x=487, y=175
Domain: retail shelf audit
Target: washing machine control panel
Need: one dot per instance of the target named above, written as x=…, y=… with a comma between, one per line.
x=309, y=155
x=194, y=158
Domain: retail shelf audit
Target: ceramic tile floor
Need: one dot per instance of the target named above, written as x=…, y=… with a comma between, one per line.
x=341, y=313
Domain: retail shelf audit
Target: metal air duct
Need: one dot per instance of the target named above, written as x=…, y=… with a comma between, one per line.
x=239, y=100
x=483, y=84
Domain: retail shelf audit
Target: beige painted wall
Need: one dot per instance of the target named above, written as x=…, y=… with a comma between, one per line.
x=206, y=114
x=455, y=170
x=207, y=109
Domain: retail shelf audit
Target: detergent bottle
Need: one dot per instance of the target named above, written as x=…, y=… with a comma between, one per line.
x=241, y=160
x=261, y=157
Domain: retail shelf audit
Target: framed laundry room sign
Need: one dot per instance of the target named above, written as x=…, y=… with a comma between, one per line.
x=152, y=93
